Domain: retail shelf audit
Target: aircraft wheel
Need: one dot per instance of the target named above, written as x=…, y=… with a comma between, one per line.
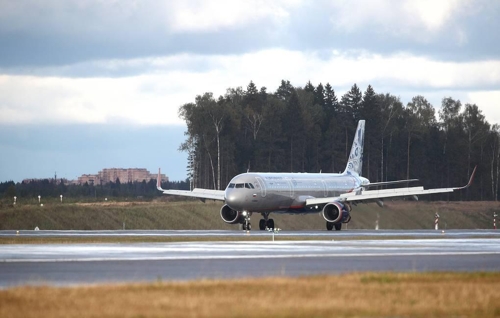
x=270, y=223
x=249, y=226
x=262, y=225
x=338, y=226
x=329, y=226
x=244, y=226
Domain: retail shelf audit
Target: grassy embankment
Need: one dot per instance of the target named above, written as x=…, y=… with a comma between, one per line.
x=350, y=295
x=196, y=215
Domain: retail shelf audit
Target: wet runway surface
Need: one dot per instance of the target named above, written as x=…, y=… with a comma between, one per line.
x=210, y=233
x=65, y=264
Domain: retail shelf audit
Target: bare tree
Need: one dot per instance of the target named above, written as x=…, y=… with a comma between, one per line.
x=419, y=116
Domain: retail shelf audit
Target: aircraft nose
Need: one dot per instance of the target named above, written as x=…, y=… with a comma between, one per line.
x=232, y=200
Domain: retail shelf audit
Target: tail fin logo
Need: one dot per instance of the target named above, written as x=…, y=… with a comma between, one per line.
x=355, y=163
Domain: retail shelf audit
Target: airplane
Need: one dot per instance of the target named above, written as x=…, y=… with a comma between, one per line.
x=331, y=194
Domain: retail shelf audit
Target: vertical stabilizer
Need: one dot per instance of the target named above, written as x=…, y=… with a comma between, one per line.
x=355, y=163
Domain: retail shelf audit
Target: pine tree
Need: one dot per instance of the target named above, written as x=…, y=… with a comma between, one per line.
x=285, y=90
x=319, y=96
x=331, y=102
x=370, y=111
x=309, y=87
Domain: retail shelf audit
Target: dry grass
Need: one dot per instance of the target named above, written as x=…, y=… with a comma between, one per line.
x=351, y=295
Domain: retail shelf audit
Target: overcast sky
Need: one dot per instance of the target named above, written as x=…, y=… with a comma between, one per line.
x=86, y=85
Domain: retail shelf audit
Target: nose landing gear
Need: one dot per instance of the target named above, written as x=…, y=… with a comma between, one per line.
x=246, y=226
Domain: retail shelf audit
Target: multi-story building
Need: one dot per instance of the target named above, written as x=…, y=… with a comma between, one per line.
x=124, y=175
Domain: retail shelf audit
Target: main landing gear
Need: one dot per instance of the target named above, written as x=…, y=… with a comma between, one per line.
x=263, y=224
x=266, y=222
x=330, y=226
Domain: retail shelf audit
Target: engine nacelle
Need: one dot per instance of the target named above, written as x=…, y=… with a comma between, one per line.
x=336, y=212
x=230, y=216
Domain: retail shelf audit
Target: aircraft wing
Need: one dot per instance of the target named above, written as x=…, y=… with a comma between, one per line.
x=376, y=195
x=197, y=193
x=202, y=194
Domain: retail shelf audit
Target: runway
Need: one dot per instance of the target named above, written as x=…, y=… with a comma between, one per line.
x=68, y=264
x=236, y=234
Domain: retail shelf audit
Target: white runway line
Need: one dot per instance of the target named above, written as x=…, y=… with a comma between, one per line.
x=232, y=257
x=20, y=253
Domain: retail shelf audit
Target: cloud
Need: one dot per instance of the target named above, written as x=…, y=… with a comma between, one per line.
x=209, y=16
x=37, y=34
x=154, y=97
x=395, y=14
x=420, y=21
x=87, y=64
x=488, y=102
x=44, y=100
x=433, y=15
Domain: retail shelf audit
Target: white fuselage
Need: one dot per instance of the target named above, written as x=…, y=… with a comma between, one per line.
x=286, y=192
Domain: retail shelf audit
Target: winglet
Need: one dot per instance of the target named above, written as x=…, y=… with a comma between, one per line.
x=158, y=181
x=470, y=180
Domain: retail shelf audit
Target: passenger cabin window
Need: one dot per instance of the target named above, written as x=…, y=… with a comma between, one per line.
x=239, y=185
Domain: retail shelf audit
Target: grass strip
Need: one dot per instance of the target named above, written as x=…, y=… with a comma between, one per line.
x=349, y=295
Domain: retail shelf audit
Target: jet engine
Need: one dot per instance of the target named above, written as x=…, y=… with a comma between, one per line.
x=230, y=216
x=336, y=212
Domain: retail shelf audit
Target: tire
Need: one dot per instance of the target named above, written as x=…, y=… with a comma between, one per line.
x=338, y=226
x=270, y=223
x=329, y=226
x=262, y=225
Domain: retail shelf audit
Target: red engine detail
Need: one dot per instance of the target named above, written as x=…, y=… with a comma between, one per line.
x=230, y=216
x=334, y=212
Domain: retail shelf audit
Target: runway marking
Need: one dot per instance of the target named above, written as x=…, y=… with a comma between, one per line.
x=230, y=257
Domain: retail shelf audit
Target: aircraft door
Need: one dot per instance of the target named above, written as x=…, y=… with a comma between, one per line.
x=262, y=186
x=325, y=188
x=290, y=185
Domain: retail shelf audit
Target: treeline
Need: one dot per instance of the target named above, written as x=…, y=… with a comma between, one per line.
x=310, y=129
x=48, y=188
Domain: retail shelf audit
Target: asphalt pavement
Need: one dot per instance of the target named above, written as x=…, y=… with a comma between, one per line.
x=74, y=264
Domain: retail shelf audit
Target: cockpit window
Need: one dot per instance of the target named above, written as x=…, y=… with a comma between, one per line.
x=241, y=186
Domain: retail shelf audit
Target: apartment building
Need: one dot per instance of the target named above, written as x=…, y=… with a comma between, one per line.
x=124, y=175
